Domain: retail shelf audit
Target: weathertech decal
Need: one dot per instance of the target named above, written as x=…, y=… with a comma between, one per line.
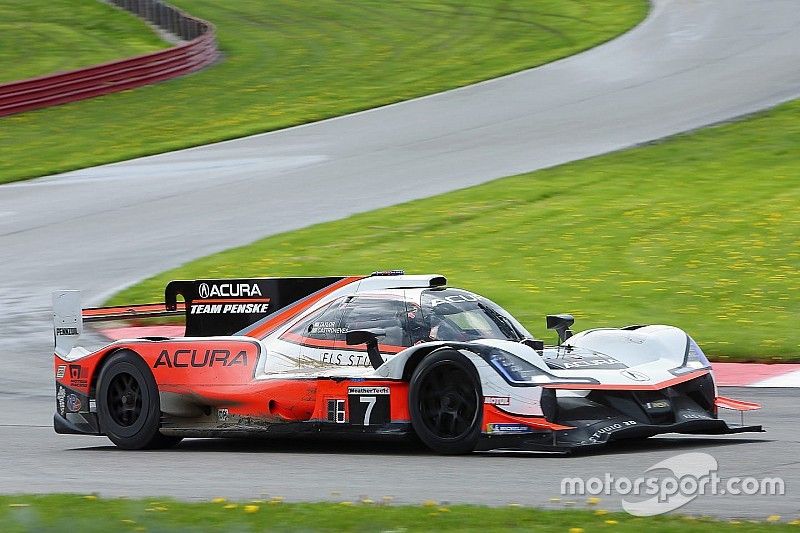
x=368, y=390
x=200, y=358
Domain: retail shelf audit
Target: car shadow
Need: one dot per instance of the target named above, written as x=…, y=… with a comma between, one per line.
x=328, y=446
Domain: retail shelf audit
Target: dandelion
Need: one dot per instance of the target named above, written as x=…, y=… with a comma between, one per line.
x=773, y=518
x=612, y=522
x=576, y=530
x=128, y=521
x=594, y=500
x=555, y=500
x=90, y=497
x=366, y=501
x=218, y=500
x=444, y=510
x=601, y=512
x=19, y=505
x=230, y=506
x=346, y=503
x=251, y=509
x=430, y=503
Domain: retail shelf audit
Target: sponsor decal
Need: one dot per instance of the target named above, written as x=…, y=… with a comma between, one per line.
x=67, y=331
x=635, y=376
x=62, y=370
x=507, y=429
x=222, y=415
x=326, y=328
x=367, y=390
x=230, y=309
x=78, y=376
x=200, y=358
x=60, y=396
x=589, y=363
x=497, y=400
x=567, y=361
x=611, y=428
x=693, y=416
x=368, y=406
x=73, y=403
x=228, y=290
x=336, y=411
x=658, y=404
x=345, y=359
x=454, y=299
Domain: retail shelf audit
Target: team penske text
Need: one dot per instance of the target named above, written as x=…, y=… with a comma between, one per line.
x=200, y=309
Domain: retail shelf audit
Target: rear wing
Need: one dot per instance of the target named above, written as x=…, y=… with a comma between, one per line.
x=211, y=307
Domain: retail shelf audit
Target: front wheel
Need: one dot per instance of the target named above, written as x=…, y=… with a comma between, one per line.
x=128, y=406
x=445, y=403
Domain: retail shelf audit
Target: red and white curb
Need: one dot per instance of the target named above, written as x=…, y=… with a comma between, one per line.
x=727, y=374
x=757, y=375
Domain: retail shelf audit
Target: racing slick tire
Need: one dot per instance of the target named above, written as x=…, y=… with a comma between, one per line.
x=445, y=403
x=128, y=406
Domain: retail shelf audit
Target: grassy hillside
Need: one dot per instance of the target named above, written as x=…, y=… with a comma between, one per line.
x=701, y=231
x=288, y=62
x=40, y=37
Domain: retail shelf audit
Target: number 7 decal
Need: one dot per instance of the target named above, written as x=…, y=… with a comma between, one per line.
x=371, y=401
x=369, y=406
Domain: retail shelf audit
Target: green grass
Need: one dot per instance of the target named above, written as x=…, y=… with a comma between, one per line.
x=40, y=37
x=701, y=231
x=87, y=514
x=288, y=62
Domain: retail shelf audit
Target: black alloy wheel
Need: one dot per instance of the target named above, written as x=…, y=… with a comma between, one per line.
x=124, y=399
x=128, y=406
x=445, y=403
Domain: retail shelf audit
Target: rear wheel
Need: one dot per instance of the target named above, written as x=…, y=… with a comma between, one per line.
x=445, y=403
x=128, y=406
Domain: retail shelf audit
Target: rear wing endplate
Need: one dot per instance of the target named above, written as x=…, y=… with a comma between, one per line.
x=68, y=317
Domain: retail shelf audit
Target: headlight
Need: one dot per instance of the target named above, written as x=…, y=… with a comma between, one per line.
x=514, y=369
x=517, y=371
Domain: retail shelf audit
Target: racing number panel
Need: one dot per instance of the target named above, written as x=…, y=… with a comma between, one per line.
x=362, y=403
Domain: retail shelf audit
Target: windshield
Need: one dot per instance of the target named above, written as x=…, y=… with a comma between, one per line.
x=457, y=315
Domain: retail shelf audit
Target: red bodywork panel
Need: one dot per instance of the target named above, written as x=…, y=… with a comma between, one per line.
x=220, y=374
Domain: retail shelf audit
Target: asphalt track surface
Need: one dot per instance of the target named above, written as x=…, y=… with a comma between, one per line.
x=689, y=64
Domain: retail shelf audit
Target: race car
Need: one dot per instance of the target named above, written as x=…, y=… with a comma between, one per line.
x=387, y=355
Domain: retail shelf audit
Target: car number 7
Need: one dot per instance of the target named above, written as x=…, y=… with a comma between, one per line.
x=371, y=401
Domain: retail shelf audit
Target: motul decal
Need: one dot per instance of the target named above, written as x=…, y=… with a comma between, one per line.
x=200, y=358
x=497, y=400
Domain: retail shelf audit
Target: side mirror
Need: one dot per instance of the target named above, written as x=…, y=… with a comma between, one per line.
x=370, y=338
x=561, y=324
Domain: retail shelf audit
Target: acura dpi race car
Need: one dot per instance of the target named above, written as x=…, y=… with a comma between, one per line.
x=381, y=356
